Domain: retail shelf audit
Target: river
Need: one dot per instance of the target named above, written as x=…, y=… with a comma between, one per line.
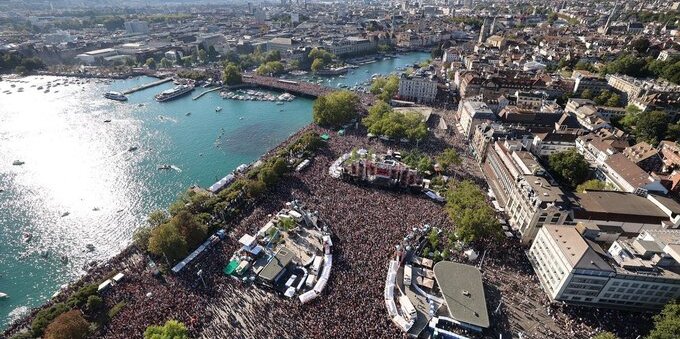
x=87, y=181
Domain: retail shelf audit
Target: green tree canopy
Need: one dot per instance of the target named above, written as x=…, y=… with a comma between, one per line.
x=69, y=325
x=166, y=240
x=605, y=335
x=231, y=75
x=449, y=158
x=383, y=120
x=171, y=330
x=385, y=87
x=569, y=167
x=335, y=108
x=151, y=63
x=472, y=216
x=651, y=126
x=270, y=68
x=593, y=184
x=667, y=323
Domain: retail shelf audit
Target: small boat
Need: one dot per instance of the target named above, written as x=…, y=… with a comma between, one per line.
x=95, y=209
x=89, y=247
x=115, y=96
x=18, y=163
x=241, y=118
x=218, y=109
x=279, y=103
x=107, y=120
x=26, y=237
x=65, y=214
x=188, y=114
x=140, y=105
x=64, y=259
x=44, y=253
x=3, y=295
x=132, y=148
x=164, y=167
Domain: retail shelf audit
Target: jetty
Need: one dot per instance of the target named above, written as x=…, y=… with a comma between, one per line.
x=145, y=86
x=206, y=92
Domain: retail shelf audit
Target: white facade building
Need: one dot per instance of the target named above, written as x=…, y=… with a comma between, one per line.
x=136, y=27
x=472, y=113
x=417, y=88
x=640, y=273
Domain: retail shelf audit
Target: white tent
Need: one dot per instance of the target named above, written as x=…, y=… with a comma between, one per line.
x=391, y=308
x=320, y=285
x=307, y=296
x=247, y=240
x=471, y=254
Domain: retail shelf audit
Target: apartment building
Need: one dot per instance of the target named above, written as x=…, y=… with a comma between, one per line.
x=639, y=273
x=418, y=87
x=523, y=188
x=351, y=46
x=472, y=113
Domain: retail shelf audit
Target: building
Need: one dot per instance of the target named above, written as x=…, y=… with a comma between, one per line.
x=472, y=113
x=670, y=152
x=418, y=87
x=627, y=176
x=639, y=273
x=96, y=56
x=463, y=291
x=523, y=188
x=545, y=144
x=645, y=156
x=136, y=27
x=584, y=80
x=351, y=46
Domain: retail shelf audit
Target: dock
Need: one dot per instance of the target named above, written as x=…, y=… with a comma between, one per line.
x=206, y=92
x=149, y=85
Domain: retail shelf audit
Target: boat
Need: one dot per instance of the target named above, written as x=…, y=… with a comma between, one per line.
x=18, y=163
x=188, y=114
x=44, y=253
x=164, y=167
x=65, y=214
x=89, y=247
x=64, y=259
x=140, y=105
x=280, y=103
x=132, y=148
x=218, y=109
x=174, y=93
x=115, y=96
x=107, y=120
x=26, y=237
x=3, y=295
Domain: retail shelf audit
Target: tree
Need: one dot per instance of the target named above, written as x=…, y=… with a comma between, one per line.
x=192, y=231
x=255, y=188
x=448, y=159
x=335, y=108
x=570, y=167
x=473, y=218
x=605, y=335
x=613, y=100
x=151, y=63
x=171, y=330
x=165, y=63
x=552, y=17
x=385, y=88
x=94, y=305
x=43, y=318
x=640, y=45
x=587, y=94
x=231, y=75
x=667, y=323
x=194, y=56
x=433, y=238
x=69, y=325
x=166, y=241
x=203, y=55
x=268, y=176
x=651, y=126
x=317, y=65
x=273, y=56
x=593, y=185
x=270, y=68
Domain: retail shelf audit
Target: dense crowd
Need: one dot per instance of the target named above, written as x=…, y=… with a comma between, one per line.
x=366, y=223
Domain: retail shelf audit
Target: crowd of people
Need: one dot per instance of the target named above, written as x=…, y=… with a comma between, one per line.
x=366, y=223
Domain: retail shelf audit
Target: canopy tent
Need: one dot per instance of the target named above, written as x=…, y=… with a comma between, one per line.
x=231, y=267
x=325, y=137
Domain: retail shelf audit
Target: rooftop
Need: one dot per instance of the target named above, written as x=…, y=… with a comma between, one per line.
x=281, y=259
x=614, y=205
x=463, y=292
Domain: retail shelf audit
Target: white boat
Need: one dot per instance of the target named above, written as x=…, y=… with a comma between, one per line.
x=174, y=93
x=218, y=109
x=115, y=96
x=18, y=163
x=3, y=295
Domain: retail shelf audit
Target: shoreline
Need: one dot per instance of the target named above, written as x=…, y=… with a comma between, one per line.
x=100, y=271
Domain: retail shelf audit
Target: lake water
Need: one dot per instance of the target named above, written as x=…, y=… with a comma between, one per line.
x=81, y=185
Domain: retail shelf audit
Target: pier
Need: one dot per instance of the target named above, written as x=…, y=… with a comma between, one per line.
x=300, y=88
x=206, y=92
x=149, y=85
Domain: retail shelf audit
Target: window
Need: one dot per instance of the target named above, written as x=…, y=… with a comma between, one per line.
x=624, y=284
x=635, y=285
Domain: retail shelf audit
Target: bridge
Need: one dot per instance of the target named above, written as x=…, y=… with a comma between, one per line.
x=300, y=88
